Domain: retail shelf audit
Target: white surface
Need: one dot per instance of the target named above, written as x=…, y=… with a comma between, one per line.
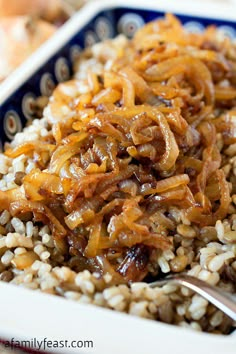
x=26, y=314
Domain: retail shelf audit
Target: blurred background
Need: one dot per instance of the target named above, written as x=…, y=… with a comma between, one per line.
x=26, y=24
x=50, y=10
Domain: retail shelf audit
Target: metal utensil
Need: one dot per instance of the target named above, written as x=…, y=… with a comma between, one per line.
x=222, y=300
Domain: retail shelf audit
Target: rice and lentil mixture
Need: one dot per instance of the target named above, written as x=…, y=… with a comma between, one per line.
x=130, y=173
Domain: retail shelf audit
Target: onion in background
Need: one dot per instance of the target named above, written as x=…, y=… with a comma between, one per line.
x=19, y=38
x=26, y=24
x=50, y=10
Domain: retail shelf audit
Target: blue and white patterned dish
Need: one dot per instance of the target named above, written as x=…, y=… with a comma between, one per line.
x=15, y=109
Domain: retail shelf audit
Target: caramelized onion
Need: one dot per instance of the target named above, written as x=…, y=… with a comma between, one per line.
x=12, y=195
x=168, y=159
x=23, y=206
x=168, y=183
x=129, y=150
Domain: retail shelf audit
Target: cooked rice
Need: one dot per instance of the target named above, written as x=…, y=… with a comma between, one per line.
x=31, y=258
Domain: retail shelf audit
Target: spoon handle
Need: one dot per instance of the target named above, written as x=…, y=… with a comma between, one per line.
x=216, y=296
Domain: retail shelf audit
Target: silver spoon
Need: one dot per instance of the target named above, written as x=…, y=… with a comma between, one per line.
x=216, y=296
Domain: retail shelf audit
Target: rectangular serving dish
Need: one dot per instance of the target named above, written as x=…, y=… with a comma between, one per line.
x=26, y=314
